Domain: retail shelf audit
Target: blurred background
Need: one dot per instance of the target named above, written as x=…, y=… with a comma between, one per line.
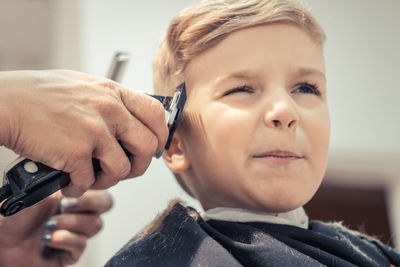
x=362, y=183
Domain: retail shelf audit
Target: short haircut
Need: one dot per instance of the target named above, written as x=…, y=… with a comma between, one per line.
x=203, y=25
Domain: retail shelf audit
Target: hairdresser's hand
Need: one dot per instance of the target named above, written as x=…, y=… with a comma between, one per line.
x=64, y=118
x=24, y=235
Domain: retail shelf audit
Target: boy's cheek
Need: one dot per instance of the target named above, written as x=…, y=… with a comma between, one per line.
x=228, y=125
x=317, y=129
x=320, y=150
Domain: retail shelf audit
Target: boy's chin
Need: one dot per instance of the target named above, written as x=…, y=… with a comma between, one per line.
x=282, y=199
x=283, y=203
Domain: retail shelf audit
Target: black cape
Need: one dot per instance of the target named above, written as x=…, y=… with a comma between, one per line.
x=180, y=237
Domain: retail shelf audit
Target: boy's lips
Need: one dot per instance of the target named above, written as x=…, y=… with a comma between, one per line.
x=279, y=155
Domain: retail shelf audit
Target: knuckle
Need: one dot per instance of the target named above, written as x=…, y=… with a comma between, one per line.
x=82, y=183
x=74, y=190
x=94, y=226
x=107, y=83
x=58, y=164
x=140, y=168
x=149, y=145
x=77, y=153
x=74, y=154
x=124, y=169
x=66, y=191
x=108, y=105
x=97, y=226
x=109, y=201
x=85, y=184
x=104, y=199
x=158, y=109
x=95, y=128
x=123, y=130
x=145, y=142
x=103, y=183
x=110, y=180
x=71, y=159
x=110, y=97
x=81, y=244
x=120, y=169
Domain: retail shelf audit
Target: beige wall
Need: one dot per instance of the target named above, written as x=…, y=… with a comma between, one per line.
x=25, y=34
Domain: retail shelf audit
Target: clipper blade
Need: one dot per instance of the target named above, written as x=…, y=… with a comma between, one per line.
x=173, y=106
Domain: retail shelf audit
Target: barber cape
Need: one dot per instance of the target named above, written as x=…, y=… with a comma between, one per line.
x=231, y=237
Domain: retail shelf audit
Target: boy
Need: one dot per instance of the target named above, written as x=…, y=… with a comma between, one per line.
x=252, y=145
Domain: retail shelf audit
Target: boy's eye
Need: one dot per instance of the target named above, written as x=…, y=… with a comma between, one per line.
x=307, y=88
x=241, y=89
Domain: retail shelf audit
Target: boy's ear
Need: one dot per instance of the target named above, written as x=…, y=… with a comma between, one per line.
x=175, y=157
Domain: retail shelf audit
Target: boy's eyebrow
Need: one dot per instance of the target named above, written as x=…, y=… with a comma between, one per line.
x=241, y=74
x=309, y=71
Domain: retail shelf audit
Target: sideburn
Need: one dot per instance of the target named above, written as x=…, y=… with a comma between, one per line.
x=192, y=125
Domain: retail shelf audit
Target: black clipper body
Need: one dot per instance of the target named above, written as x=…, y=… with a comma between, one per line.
x=27, y=182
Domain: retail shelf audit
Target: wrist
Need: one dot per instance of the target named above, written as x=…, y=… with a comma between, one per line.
x=4, y=126
x=11, y=259
x=10, y=256
x=5, y=108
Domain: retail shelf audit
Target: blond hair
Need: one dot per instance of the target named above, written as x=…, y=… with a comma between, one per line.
x=202, y=25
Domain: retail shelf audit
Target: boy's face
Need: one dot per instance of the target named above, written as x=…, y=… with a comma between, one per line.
x=257, y=122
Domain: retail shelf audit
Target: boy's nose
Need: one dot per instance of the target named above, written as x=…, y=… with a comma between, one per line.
x=281, y=115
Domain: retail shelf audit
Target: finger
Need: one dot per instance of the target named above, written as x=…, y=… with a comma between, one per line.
x=114, y=164
x=93, y=201
x=66, y=258
x=104, y=181
x=149, y=111
x=73, y=244
x=83, y=224
x=82, y=178
x=137, y=137
x=139, y=165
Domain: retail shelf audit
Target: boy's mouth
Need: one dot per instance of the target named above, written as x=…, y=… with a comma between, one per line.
x=279, y=154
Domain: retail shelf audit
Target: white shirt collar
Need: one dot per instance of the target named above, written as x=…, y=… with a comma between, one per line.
x=296, y=217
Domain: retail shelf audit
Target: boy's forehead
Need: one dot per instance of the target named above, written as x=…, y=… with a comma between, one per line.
x=236, y=56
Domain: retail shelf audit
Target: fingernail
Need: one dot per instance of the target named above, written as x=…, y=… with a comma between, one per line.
x=68, y=203
x=46, y=238
x=159, y=154
x=51, y=224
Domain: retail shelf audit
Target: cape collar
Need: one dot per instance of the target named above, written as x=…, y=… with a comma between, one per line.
x=296, y=217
